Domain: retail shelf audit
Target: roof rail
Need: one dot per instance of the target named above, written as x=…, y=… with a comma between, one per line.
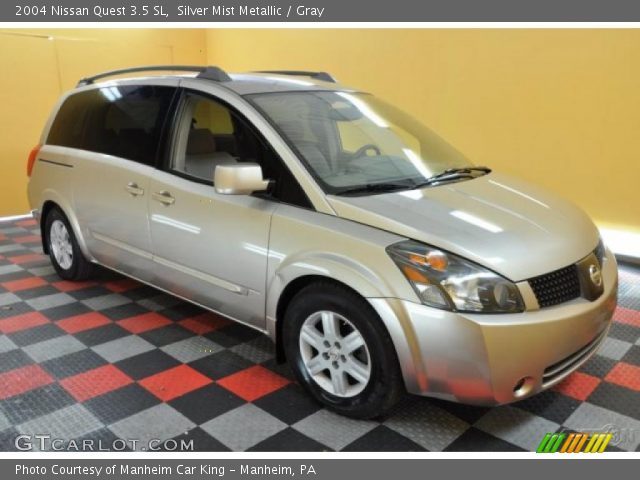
x=209, y=73
x=324, y=76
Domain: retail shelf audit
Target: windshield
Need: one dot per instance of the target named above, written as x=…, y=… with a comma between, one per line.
x=350, y=140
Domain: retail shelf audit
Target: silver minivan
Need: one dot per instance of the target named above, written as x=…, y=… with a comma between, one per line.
x=376, y=256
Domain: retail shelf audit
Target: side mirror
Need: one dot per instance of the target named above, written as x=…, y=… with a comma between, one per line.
x=239, y=179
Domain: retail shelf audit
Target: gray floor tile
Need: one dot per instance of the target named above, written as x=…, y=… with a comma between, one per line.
x=50, y=301
x=160, y=422
x=591, y=418
x=122, y=348
x=427, y=425
x=69, y=422
x=191, y=349
x=243, y=427
x=516, y=426
x=54, y=348
x=333, y=430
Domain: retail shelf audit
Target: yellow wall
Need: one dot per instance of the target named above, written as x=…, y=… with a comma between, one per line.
x=39, y=64
x=558, y=107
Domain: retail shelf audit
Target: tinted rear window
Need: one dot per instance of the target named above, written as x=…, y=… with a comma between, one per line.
x=125, y=121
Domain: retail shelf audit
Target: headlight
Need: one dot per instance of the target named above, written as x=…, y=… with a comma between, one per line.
x=446, y=281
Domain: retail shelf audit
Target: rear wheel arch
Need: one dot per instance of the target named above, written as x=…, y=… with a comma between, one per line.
x=46, y=209
x=51, y=204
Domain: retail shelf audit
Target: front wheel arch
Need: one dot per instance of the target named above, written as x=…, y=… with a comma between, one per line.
x=289, y=292
x=386, y=383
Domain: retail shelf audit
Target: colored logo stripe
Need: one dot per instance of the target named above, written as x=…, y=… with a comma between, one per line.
x=550, y=443
x=574, y=443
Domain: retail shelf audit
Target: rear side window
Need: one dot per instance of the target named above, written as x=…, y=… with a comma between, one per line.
x=124, y=121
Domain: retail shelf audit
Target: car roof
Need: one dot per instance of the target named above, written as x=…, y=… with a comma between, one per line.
x=246, y=83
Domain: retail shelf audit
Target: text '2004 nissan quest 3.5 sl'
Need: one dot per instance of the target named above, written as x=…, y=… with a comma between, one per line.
x=376, y=256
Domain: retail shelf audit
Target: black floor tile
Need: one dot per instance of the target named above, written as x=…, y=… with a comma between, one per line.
x=289, y=404
x=106, y=333
x=289, y=440
x=124, y=311
x=221, y=364
x=166, y=335
x=121, y=403
x=147, y=364
x=474, y=440
x=73, y=364
x=616, y=398
x=13, y=359
x=65, y=311
x=36, y=403
x=200, y=441
x=550, y=405
x=383, y=439
x=37, y=334
x=205, y=403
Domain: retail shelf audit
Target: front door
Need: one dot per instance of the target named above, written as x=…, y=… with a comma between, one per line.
x=207, y=247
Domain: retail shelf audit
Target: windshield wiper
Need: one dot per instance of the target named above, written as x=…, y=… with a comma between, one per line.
x=454, y=174
x=374, y=188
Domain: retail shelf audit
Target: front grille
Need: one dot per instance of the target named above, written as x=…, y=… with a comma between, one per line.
x=556, y=287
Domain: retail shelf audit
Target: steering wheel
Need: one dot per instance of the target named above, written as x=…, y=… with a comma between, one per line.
x=365, y=148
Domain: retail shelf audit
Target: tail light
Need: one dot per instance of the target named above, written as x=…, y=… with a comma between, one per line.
x=32, y=159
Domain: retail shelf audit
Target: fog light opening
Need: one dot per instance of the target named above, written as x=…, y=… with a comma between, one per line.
x=523, y=387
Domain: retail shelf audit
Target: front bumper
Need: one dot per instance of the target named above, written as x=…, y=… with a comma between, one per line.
x=488, y=359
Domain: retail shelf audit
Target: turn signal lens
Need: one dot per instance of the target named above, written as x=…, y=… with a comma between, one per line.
x=414, y=275
x=434, y=259
x=33, y=155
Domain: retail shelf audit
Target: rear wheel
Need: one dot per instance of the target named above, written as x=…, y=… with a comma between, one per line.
x=341, y=352
x=64, y=251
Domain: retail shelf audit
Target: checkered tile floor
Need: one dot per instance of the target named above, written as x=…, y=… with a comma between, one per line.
x=112, y=359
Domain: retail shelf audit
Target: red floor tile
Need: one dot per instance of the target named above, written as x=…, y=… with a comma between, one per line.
x=174, y=382
x=27, y=239
x=253, y=383
x=204, y=323
x=31, y=257
x=31, y=222
x=578, y=385
x=144, y=322
x=80, y=323
x=21, y=380
x=625, y=375
x=22, y=322
x=628, y=316
x=66, y=286
x=122, y=285
x=95, y=382
x=23, y=284
x=2, y=237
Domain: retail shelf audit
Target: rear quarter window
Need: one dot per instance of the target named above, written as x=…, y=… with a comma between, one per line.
x=124, y=121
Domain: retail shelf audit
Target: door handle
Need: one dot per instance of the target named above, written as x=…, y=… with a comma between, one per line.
x=164, y=197
x=134, y=189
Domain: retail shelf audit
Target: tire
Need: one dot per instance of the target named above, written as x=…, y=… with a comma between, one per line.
x=64, y=251
x=364, y=382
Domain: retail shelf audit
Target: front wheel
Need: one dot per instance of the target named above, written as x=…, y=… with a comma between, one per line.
x=64, y=251
x=341, y=352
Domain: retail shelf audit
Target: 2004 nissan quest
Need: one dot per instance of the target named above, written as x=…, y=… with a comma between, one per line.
x=376, y=256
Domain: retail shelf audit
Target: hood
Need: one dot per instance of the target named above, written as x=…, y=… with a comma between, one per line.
x=512, y=227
